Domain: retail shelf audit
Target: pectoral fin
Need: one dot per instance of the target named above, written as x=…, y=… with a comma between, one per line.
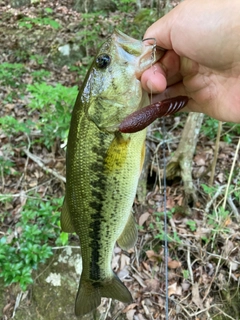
x=129, y=235
x=66, y=223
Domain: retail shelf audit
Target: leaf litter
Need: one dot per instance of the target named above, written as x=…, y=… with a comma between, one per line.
x=204, y=252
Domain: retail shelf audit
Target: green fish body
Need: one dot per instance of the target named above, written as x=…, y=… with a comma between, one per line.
x=103, y=166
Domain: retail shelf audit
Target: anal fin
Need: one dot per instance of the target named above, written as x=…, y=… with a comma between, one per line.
x=129, y=236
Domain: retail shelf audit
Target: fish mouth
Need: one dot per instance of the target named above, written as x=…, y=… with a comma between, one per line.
x=146, y=51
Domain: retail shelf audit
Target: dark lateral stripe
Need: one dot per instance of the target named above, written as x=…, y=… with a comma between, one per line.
x=98, y=187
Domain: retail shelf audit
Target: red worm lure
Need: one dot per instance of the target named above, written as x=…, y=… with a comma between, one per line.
x=140, y=119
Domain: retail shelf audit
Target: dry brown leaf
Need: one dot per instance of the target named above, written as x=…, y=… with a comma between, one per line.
x=124, y=261
x=145, y=304
x=153, y=256
x=200, y=159
x=227, y=222
x=115, y=262
x=130, y=307
x=227, y=248
x=174, y=264
x=201, y=232
x=152, y=285
x=185, y=286
x=143, y=218
x=220, y=177
x=174, y=289
x=139, y=280
x=146, y=265
x=140, y=317
x=196, y=296
x=233, y=265
x=124, y=273
x=130, y=314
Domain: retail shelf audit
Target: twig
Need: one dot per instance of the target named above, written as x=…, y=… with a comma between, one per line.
x=215, y=153
x=41, y=165
x=231, y=173
x=26, y=164
x=189, y=265
x=17, y=303
x=213, y=278
x=108, y=308
x=225, y=314
x=64, y=247
x=4, y=196
x=233, y=207
x=192, y=315
x=219, y=190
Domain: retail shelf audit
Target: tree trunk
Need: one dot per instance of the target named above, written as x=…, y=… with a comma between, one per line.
x=181, y=162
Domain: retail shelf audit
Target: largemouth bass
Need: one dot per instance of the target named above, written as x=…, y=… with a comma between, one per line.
x=103, y=166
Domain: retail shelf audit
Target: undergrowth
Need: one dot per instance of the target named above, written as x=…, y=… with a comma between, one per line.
x=28, y=239
x=29, y=243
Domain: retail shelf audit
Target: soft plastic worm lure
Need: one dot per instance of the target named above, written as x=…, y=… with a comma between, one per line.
x=140, y=119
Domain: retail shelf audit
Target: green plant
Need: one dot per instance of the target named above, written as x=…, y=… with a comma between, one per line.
x=209, y=127
x=185, y=274
x=89, y=37
x=54, y=106
x=158, y=226
x=5, y=165
x=38, y=59
x=210, y=190
x=218, y=216
x=81, y=72
x=191, y=224
x=28, y=23
x=217, y=220
x=11, y=126
x=125, y=5
x=40, y=75
x=22, y=249
x=10, y=74
x=48, y=10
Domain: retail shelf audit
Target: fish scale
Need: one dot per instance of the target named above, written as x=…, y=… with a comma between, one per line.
x=103, y=166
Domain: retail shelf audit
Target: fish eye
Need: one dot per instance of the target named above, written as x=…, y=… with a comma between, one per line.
x=103, y=61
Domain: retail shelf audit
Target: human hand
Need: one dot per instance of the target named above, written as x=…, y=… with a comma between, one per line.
x=203, y=57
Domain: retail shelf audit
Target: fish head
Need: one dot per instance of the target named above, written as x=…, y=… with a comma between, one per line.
x=112, y=88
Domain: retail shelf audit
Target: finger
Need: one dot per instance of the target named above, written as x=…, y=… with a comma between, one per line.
x=199, y=100
x=154, y=79
x=174, y=79
x=171, y=63
x=199, y=82
x=171, y=92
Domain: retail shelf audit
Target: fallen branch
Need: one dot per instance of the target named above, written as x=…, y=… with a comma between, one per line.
x=42, y=165
x=214, y=163
x=231, y=173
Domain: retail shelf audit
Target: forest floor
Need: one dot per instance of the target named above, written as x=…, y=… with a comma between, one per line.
x=46, y=48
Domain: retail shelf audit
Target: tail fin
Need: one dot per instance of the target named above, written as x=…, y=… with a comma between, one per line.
x=90, y=293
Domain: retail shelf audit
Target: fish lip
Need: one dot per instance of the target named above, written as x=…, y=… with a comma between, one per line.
x=145, y=53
